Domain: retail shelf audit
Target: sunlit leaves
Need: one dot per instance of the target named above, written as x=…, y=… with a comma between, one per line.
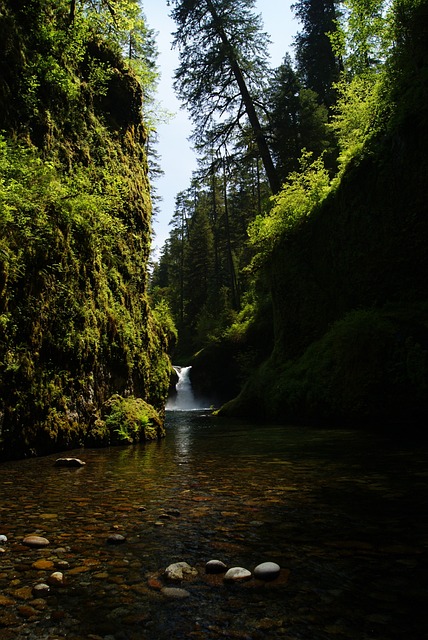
x=355, y=113
x=303, y=191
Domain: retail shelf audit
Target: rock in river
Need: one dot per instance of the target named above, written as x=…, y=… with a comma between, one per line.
x=215, y=566
x=237, y=574
x=69, y=462
x=35, y=541
x=180, y=571
x=267, y=571
x=116, y=538
x=175, y=592
x=41, y=590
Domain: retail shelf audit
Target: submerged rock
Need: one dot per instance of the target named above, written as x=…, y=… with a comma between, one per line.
x=175, y=592
x=69, y=462
x=237, y=574
x=35, y=541
x=40, y=590
x=267, y=571
x=116, y=538
x=56, y=579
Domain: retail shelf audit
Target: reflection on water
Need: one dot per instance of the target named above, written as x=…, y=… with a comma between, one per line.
x=343, y=513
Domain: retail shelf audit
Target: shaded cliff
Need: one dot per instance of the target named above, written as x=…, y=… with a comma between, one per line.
x=349, y=284
x=76, y=327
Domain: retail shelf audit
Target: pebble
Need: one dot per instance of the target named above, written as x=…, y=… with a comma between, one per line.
x=41, y=589
x=116, y=538
x=43, y=564
x=215, y=566
x=56, y=579
x=3, y=539
x=175, y=592
x=69, y=462
x=267, y=571
x=180, y=571
x=35, y=541
x=237, y=574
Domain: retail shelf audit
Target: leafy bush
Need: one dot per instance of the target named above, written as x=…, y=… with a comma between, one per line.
x=131, y=420
x=299, y=197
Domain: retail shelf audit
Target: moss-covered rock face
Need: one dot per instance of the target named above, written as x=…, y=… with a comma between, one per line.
x=350, y=294
x=75, y=323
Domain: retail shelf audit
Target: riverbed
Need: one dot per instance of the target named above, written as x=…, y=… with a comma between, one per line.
x=342, y=512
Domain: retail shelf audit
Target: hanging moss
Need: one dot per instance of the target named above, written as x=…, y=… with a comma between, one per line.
x=76, y=327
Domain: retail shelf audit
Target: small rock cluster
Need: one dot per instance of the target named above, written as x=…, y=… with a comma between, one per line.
x=179, y=571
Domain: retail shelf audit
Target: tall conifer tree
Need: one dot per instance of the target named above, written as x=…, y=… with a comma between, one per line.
x=317, y=64
x=223, y=62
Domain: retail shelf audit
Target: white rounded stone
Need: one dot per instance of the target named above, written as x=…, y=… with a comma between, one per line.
x=267, y=571
x=237, y=574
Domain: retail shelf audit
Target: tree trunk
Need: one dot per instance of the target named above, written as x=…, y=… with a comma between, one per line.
x=271, y=173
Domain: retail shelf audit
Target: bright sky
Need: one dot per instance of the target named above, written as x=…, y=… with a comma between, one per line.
x=177, y=158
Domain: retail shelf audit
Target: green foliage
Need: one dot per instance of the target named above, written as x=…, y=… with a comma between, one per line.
x=363, y=37
x=355, y=113
x=75, y=324
x=367, y=366
x=302, y=193
x=129, y=420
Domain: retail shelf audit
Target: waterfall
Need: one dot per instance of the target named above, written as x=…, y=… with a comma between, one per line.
x=184, y=400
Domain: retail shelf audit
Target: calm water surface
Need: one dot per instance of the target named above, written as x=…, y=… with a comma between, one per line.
x=344, y=513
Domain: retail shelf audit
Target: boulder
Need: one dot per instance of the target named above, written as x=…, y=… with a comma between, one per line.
x=180, y=571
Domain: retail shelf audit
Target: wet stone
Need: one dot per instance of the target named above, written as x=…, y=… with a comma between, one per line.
x=56, y=579
x=215, y=566
x=180, y=571
x=237, y=574
x=36, y=542
x=267, y=571
x=175, y=592
x=69, y=462
x=26, y=611
x=116, y=538
x=43, y=564
x=23, y=593
x=41, y=589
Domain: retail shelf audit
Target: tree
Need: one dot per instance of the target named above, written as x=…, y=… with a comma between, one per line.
x=222, y=66
x=364, y=35
x=318, y=64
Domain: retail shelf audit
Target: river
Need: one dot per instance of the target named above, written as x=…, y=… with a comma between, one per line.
x=344, y=513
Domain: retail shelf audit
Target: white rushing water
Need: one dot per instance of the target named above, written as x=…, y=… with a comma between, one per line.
x=185, y=399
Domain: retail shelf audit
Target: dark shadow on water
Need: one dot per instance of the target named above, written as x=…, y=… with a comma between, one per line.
x=342, y=512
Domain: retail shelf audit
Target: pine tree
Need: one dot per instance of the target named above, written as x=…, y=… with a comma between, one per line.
x=222, y=66
x=317, y=64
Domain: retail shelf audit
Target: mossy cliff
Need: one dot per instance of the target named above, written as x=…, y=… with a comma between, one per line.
x=75, y=324
x=350, y=285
